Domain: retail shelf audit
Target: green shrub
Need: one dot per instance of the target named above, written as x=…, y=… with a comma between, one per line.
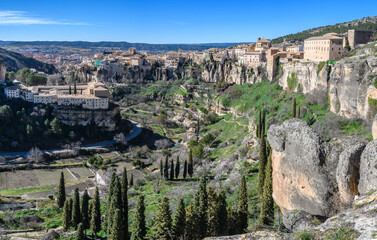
x=304, y=236
x=320, y=67
x=203, y=110
x=292, y=81
x=375, y=83
x=372, y=104
x=207, y=139
x=225, y=102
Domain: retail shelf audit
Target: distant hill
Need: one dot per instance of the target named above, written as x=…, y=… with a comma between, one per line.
x=368, y=23
x=119, y=45
x=16, y=61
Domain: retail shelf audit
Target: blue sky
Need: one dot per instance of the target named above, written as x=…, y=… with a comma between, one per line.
x=153, y=21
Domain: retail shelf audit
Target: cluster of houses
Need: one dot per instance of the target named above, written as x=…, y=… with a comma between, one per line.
x=93, y=95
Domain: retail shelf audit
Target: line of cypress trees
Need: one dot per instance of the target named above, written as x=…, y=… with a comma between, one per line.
x=106, y=221
x=132, y=179
x=61, y=192
x=192, y=224
x=294, y=108
x=201, y=206
x=70, y=206
x=161, y=168
x=116, y=231
x=85, y=211
x=80, y=232
x=212, y=212
x=139, y=230
x=166, y=169
x=222, y=215
x=262, y=165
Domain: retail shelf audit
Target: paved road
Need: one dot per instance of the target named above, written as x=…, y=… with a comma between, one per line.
x=135, y=132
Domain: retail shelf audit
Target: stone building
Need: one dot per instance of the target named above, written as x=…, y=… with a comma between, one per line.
x=355, y=37
x=262, y=44
x=328, y=47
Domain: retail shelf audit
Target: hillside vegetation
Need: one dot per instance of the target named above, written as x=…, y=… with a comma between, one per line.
x=369, y=23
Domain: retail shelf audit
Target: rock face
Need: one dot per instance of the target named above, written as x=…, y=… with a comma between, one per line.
x=374, y=127
x=311, y=175
x=368, y=168
x=346, y=85
x=83, y=117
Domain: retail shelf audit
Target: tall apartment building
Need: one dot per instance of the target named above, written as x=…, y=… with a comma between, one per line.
x=328, y=47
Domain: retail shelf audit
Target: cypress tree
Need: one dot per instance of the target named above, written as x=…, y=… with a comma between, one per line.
x=166, y=168
x=190, y=169
x=180, y=220
x=138, y=224
x=70, y=206
x=185, y=170
x=201, y=206
x=76, y=213
x=132, y=180
x=197, y=129
x=66, y=216
x=232, y=221
x=117, y=227
x=262, y=165
x=61, y=191
x=74, y=88
x=222, y=215
x=116, y=203
x=243, y=206
x=95, y=221
x=70, y=89
x=177, y=168
x=192, y=224
x=107, y=219
x=125, y=203
x=298, y=112
x=294, y=108
x=172, y=170
x=161, y=168
x=85, y=211
x=80, y=233
x=267, y=210
x=212, y=221
x=162, y=223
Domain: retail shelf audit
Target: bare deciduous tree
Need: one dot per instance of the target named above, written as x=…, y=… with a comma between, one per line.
x=35, y=155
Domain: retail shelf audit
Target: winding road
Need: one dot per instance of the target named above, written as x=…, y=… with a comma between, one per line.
x=135, y=132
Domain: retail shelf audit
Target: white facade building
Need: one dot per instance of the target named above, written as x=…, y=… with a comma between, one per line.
x=12, y=92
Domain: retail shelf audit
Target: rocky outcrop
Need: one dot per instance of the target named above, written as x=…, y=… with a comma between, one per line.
x=310, y=175
x=84, y=117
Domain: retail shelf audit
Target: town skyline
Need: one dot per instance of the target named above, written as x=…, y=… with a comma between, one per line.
x=168, y=22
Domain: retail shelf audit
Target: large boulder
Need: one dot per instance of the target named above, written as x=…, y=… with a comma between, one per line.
x=51, y=235
x=309, y=174
x=368, y=168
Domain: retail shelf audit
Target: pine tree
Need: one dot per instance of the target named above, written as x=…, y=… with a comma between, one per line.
x=132, y=180
x=294, y=108
x=95, y=221
x=80, y=232
x=76, y=213
x=162, y=223
x=117, y=230
x=222, y=215
x=192, y=224
x=138, y=224
x=85, y=211
x=180, y=220
x=212, y=213
x=166, y=169
x=190, y=169
x=262, y=165
x=66, y=216
x=201, y=205
x=61, y=191
x=267, y=210
x=243, y=206
x=185, y=170
x=172, y=170
x=161, y=168
x=177, y=168
x=125, y=203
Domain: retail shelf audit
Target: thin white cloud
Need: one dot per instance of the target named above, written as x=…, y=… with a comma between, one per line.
x=23, y=18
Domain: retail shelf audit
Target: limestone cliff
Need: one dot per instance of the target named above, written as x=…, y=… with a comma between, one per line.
x=313, y=176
